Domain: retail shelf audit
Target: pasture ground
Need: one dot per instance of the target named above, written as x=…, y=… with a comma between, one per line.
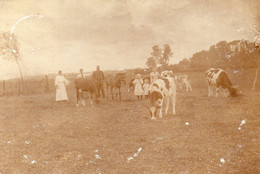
x=39, y=135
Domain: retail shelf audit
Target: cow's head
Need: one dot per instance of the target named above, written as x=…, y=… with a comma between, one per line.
x=156, y=99
x=121, y=78
x=166, y=73
x=233, y=91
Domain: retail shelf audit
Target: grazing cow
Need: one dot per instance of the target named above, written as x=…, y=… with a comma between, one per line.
x=218, y=78
x=115, y=82
x=161, y=90
x=86, y=85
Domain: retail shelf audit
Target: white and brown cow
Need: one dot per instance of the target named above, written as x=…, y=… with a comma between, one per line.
x=218, y=78
x=162, y=90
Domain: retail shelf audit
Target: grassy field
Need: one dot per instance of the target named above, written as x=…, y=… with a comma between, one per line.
x=39, y=135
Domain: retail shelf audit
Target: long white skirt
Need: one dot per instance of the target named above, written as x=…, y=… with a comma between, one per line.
x=61, y=93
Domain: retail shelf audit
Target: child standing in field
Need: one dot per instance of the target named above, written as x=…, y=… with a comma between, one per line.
x=146, y=87
x=138, y=83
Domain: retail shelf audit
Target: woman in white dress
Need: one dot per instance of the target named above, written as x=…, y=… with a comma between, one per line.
x=138, y=83
x=60, y=82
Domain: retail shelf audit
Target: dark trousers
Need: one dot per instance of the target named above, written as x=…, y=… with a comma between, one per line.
x=100, y=89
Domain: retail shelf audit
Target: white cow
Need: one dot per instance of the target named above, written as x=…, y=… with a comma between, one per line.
x=162, y=90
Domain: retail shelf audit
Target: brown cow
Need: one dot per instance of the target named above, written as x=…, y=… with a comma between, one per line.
x=86, y=85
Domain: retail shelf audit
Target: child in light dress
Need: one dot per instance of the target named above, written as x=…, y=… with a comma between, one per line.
x=138, y=84
x=146, y=87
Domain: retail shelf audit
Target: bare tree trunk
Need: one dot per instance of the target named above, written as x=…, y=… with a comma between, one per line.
x=256, y=76
x=21, y=74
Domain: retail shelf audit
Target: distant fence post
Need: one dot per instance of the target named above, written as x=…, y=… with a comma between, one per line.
x=47, y=83
x=4, y=92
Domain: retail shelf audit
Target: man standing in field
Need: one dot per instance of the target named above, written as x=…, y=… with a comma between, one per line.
x=99, y=78
x=81, y=74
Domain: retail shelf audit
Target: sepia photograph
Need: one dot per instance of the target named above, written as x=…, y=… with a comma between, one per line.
x=129, y=86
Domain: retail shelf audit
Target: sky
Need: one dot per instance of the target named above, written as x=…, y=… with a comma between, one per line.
x=117, y=34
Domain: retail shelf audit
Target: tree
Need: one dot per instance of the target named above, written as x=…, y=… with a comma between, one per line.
x=151, y=63
x=165, y=58
x=157, y=53
x=159, y=56
x=9, y=50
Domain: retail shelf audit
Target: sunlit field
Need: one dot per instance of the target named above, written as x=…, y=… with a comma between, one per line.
x=207, y=136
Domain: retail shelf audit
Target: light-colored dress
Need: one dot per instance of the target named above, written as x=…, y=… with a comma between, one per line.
x=138, y=86
x=154, y=76
x=146, y=87
x=60, y=82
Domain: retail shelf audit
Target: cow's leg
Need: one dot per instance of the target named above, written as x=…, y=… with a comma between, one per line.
x=117, y=98
x=217, y=91
x=153, y=110
x=83, y=102
x=173, y=99
x=160, y=112
x=190, y=89
x=94, y=96
x=208, y=90
x=210, y=93
x=111, y=90
x=167, y=104
x=187, y=86
x=107, y=91
x=77, y=97
x=90, y=98
x=119, y=94
x=225, y=90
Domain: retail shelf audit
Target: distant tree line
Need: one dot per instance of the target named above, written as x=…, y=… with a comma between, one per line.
x=239, y=54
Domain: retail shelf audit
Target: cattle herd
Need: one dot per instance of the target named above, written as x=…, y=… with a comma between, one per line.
x=161, y=91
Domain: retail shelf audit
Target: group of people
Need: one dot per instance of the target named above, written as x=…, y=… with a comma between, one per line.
x=61, y=82
x=141, y=87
